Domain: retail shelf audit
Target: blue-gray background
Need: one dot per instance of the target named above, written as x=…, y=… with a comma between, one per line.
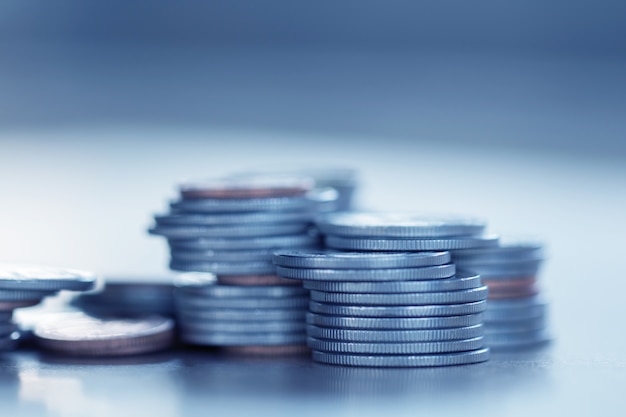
x=508, y=110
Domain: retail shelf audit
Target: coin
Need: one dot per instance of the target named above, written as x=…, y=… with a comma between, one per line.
x=320, y=259
x=218, y=205
x=81, y=335
x=403, y=323
x=226, y=268
x=24, y=295
x=239, y=219
x=188, y=301
x=402, y=274
x=291, y=326
x=255, y=280
x=395, y=336
x=461, y=281
x=38, y=278
x=261, y=291
x=278, y=350
x=288, y=241
x=254, y=186
x=397, y=225
x=517, y=339
x=403, y=299
x=401, y=361
x=238, y=339
x=435, y=244
x=398, y=311
x=237, y=231
x=186, y=314
x=264, y=255
x=391, y=348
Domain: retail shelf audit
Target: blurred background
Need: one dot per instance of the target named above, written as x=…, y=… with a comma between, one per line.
x=513, y=111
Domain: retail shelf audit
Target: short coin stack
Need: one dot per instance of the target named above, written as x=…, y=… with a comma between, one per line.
x=230, y=228
x=25, y=286
x=516, y=313
x=259, y=319
x=389, y=309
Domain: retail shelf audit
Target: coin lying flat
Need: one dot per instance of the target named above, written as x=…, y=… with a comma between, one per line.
x=256, y=350
x=391, y=348
x=402, y=361
x=398, y=311
x=401, y=274
x=255, y=280
x=404, y=244
x=461, y=281
x=312, y=259
x=287, y=241
x=395, y=336
x=37, y=278
x=82, y=335
x=399, y=225
x=253, y=186
x=393, y=323
x=405, y=299
x=248, y=230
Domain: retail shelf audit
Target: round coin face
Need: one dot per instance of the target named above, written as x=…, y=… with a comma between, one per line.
x=397, y=225
x=38, y=278
x=255, y=280
x=79, y=334
x=253, y=186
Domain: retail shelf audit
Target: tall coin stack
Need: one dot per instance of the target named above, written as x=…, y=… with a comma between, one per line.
x=25, y=286
x=380, y=308
x=516, y=312
x=226, y=231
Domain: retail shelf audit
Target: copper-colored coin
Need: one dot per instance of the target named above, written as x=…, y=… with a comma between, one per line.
x=12, y=305
x=267, y=350
x=255, y=280
x=259, y=186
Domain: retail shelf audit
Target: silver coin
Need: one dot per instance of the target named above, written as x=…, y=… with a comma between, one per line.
x=221, y=219
x=254, y=291
x=517, y=339
x=370, y=244
x=248, y=315
x=37, y=278
x=395, y=336
x=530, y=308
x=403, y=361
x=403, y=299
x=398, y=311
x=504, y=252
x=226, y=268
x=242, y=326
x=502, y=272
x=390, y=348
x=219, y=205
x=397, y=225
x=403, y=274
x=198, y=302
x=277, y=242
x=237, y=231
x=263, y=255
x=78, y=334
x=24, y=295
x=461, y=281
x=321, y=259
x=472, y=263
x=405, y=323
x=237, y=339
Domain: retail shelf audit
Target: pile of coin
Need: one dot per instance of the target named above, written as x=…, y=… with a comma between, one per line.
x=128, y=298
x=26, y=286
x=260, y=318
x=516, y=312
x=389, y=309
x=231, y=228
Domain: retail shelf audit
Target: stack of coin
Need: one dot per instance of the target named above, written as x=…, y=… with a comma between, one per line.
x=389, y=309
x=26, y=286
x=248, y=318
x=516, y=312
x=231, y=226
x=128, y=298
